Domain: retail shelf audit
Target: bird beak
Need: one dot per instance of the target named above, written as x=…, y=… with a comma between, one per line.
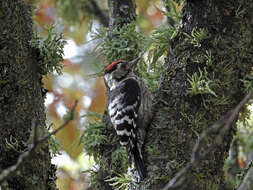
x=134, y=62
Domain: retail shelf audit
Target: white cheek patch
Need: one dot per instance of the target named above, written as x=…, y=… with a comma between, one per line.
x=110, y=81
x=107, y=78
x=114, y=84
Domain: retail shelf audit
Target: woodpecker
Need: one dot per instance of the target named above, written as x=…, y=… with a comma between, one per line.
x=129, y=105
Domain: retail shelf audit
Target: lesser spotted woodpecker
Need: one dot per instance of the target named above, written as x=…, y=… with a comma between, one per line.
x=129, y=106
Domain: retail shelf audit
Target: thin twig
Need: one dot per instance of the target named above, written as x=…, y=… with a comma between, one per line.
x=226, y=124
x=12, y=169
x=61, y=127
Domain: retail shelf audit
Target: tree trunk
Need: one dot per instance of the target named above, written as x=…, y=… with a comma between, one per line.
x=219, y=58
x=202, y=80
x=21, y=101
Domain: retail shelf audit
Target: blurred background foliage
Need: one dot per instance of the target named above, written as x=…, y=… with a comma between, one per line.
x=83, y=24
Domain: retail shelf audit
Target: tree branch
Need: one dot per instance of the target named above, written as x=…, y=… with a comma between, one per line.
x=99, y=13
x=223, y=125
x=12, y=169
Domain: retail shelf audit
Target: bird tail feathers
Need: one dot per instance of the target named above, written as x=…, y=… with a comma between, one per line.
x=139, y=164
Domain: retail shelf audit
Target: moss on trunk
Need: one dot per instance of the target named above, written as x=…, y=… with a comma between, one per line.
x=213, y=51
x=21, y=101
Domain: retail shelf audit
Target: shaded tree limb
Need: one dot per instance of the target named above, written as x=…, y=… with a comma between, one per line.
x=226, y=124
x=99, y=13
x=12, y=169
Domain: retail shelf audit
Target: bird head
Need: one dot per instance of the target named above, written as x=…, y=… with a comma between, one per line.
x=119, y=70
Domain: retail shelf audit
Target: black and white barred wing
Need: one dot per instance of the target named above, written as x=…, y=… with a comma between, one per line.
x=123, y=110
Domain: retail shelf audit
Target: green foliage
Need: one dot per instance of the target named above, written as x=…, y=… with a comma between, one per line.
x=126, y=44
x=94, y=140
x=121, y=182
x=196, y=37
x=195, y=122
x=93, y=137
x=150, y=73
x=160, y=42
x=49, y=51
x=175, y=10
x=167, y=2
x=96, y=143
x=93, y=178
x=248, y=83
x=209, y=58
x=173, y=165
x=12, y=143
x=200, y=84
x=240, y=11
x=153, y=150
x=119, y=158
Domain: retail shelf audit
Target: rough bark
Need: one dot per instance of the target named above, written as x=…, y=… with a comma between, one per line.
x=180, y=115
x=121, y=13
x=21, y=101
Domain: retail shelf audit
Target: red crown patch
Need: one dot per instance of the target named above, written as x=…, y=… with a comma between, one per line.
x=109, y=67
